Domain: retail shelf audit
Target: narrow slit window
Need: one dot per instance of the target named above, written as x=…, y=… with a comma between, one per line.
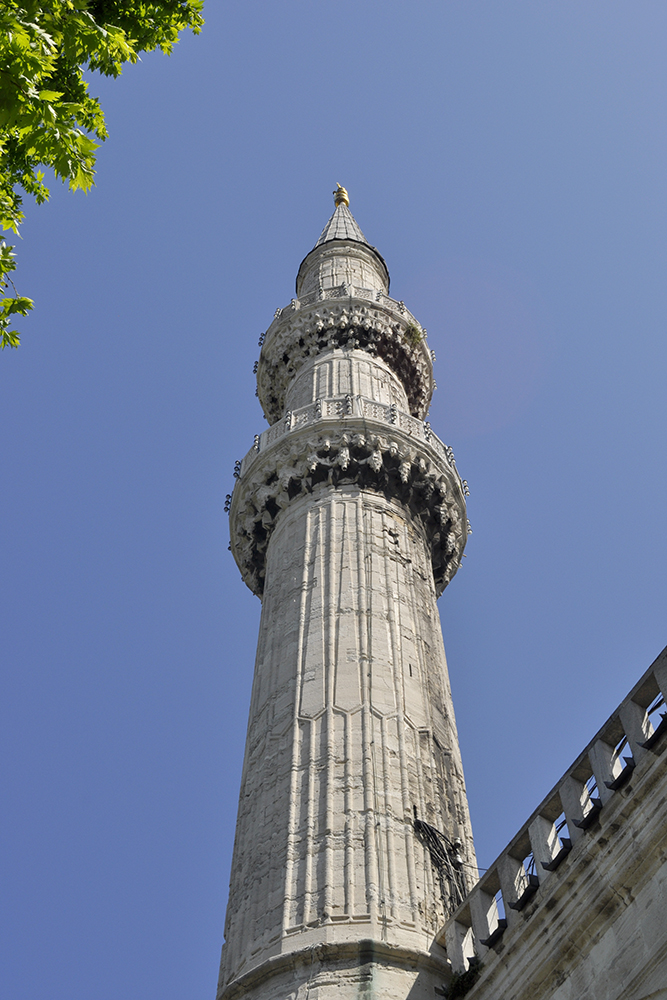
x=529, y=864
x=619, y=762
x=500, y=904
x=591, y=794
x=562, y=831
x=656, y=711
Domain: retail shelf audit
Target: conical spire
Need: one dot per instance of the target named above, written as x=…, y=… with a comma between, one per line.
x=342, y=226
x=329, y=267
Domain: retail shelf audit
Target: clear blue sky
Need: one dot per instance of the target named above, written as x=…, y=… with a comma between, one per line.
x=509, y=161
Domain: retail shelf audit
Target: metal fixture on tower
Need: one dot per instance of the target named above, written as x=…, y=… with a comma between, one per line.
x=340, y=196
x=347, y=519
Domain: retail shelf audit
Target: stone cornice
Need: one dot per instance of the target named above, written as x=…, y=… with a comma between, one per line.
x=347, y=317
x=343, y=953
x=363, y=453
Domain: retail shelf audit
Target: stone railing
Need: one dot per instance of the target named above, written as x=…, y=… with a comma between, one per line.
x=573, y=811
x=351, y=440
x=348, y=291
x=381, y=325
x=342, y=407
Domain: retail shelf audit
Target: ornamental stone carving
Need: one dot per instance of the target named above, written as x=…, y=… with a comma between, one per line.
x=348, y=520
x=380, y=328
x=394, y=465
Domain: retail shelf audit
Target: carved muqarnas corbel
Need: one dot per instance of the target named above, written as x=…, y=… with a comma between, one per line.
x=399, y=471
x=378, y=330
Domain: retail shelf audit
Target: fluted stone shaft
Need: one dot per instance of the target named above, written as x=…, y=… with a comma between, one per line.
x=344, y=514
x=340, y=373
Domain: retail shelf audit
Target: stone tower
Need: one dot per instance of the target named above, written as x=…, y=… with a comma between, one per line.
x=348, y=520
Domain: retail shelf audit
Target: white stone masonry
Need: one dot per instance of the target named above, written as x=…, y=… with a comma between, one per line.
x=352, y=757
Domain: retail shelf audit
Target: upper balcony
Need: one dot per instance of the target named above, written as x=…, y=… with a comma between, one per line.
x=344, y=316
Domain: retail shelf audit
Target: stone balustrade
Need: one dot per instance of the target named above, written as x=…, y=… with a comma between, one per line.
x=575, y=810
x=340, y=407
x=378, y=325
x=347, y=291
x=348, y=440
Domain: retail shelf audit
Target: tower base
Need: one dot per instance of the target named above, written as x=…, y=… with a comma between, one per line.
x=358, y=970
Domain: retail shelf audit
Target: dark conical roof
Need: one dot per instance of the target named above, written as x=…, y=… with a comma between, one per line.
x=341, y=226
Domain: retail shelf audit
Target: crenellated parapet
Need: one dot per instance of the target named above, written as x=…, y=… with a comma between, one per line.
x=578, y=896
x=349, y=441
x=350, y=317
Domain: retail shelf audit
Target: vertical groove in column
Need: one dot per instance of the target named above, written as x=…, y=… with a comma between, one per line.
x=377, y=830
x=290, y=883
x=365, y=582
x=421, y=808
x=359, y=717
x=396, y=660
x=389, y=822
x=313, y=727
x=377, y=819
x=348, y=878
x=310, y=826
x=409, y=833
x=330, y=674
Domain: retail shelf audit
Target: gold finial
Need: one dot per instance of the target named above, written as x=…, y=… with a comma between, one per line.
x=340, y=196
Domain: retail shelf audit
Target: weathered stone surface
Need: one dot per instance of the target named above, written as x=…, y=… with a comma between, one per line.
x=596, y=929
x=359, y=969
x=361, y=454
x=351, y=734
x=348, y=518
x=353, y=840
x=378, y=326
x=341, y=373
x=326, y=267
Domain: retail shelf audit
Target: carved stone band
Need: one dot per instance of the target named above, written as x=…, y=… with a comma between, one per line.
x=365, y=456
x=379, y=328
x=351, y=409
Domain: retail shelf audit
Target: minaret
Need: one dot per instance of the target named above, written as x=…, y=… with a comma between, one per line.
x=348, y=520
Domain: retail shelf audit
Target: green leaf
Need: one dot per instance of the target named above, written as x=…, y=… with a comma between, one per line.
x=47, y=117
x=19, y=304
